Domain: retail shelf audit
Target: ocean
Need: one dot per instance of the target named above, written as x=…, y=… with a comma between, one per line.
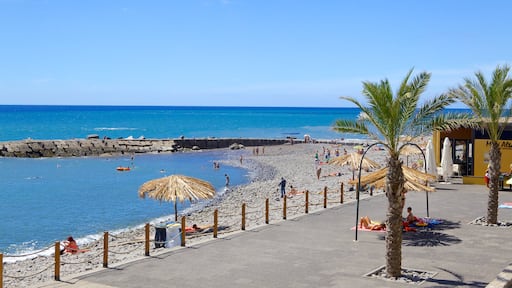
x=66, y=122
x=46, y=200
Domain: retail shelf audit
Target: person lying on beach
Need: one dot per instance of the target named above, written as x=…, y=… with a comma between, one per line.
x=334, y=174
x=366, y=223
x=196, y=229
x=294, y=191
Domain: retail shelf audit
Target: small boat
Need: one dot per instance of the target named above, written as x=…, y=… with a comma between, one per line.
x=121, y=168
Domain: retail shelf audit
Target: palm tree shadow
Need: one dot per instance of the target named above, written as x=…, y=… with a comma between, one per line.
x=446, y=225
x=454, y=283
x=431, y=237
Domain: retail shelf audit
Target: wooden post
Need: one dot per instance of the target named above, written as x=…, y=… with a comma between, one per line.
x=215, y=222
x=105, y=249
x=307, y=202
x=2, y=270
x=266, y=211
x=284, y=207
x=243, y=216
x=341, y=194
x=57, y=261
x=183, y=232
x=146, y=248
x=325, y=197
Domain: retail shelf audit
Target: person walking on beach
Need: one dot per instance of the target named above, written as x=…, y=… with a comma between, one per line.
x=318, y=169
x=227, y=180
x=282, y=184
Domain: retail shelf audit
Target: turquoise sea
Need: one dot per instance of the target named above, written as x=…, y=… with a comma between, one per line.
x=45, y=200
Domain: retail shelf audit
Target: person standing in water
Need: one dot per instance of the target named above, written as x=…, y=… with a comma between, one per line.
x=227, y=180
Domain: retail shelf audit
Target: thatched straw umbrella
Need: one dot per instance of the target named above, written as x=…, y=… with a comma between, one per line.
x=414, y=180
x=177, y=188
x=354, y=160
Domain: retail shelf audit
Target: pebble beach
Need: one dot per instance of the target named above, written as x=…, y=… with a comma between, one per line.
x=295, y=163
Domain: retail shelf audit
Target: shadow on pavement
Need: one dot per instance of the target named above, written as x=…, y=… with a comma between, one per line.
x=431, y=237
x=459, y=282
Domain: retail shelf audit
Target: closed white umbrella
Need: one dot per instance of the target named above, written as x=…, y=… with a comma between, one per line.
x=446, y=159
x=431, y=159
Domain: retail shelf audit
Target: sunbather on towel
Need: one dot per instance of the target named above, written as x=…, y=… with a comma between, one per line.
x=367, y=223
x=294, y=191
x=195, y=228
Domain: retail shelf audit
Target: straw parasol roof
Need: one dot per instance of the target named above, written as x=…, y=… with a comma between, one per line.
x=177, y=188
x=410, y=150
x=353, y=159
x=414, y=179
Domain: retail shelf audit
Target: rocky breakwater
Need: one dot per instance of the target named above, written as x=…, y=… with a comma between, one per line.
x=106, y=147
x=82, y=147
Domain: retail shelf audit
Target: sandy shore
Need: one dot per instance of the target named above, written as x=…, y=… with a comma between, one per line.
x=296, y=163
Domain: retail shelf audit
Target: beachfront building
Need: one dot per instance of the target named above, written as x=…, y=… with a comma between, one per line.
x=470, y=152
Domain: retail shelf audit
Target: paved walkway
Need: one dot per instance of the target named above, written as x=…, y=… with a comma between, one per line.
x=318, y=250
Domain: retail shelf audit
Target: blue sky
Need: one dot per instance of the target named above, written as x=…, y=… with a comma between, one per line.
x=240, y=52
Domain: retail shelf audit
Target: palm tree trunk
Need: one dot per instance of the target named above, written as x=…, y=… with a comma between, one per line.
x=494, y=174
x=395, y=182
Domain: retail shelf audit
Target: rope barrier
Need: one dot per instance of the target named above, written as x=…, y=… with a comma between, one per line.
x=228, y=215
x=227, y=231
x=199, y=235
x=296, y=210
x=29, y=254
x=254, y=212
x=31, y=275
x=255, y=207
x=82, y=262
x=116, y=237
x=125, y=252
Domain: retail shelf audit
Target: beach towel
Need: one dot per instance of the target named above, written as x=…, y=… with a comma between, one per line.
x=368, y=230
x=506, y=205
x=430, y=222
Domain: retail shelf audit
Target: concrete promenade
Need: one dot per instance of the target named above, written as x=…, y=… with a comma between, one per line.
x=318, y=250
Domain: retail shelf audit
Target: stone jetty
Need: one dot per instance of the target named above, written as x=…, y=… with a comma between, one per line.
x=105, y=147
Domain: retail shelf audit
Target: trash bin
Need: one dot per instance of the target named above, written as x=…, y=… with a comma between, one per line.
x=160, y=236
x=173, y=235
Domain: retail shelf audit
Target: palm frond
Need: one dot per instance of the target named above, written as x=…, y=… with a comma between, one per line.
x=349, y=126
x=453, y=121
x=490, y=102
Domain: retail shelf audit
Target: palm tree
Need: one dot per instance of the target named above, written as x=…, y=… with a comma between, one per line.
x=386, y=118
x=490, y=102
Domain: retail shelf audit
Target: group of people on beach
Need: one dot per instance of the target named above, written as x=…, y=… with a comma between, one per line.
x=366, y=223
x=256, y=151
